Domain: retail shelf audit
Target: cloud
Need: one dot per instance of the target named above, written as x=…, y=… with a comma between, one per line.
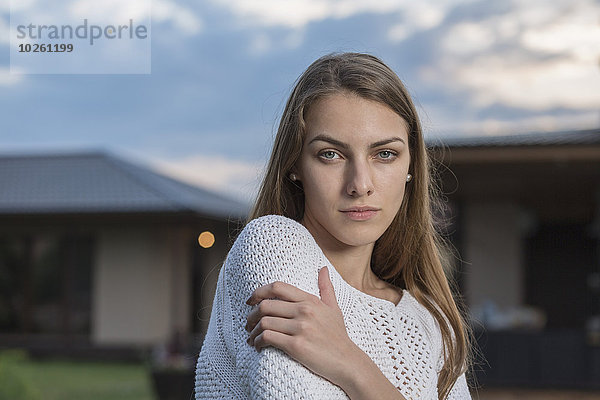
x=8, y=79
x=532, y=85
x=16, y=5
x=578, y=37
x=417, y=17
x=532, y=57
x=468, y=38
x=267, y=20
x=184, y=19
x=299, y=13
x=261, y=43
x=4, y=31
x=107, y=11
x=239, y=179
x=511, y=124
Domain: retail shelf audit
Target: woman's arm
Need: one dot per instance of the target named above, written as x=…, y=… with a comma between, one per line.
x=312, y=331
x=269, y=249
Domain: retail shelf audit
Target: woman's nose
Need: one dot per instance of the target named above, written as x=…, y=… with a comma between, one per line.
x=360, y=182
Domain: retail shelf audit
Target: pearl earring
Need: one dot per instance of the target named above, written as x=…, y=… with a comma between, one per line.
x=408, y=178
x=293, y=176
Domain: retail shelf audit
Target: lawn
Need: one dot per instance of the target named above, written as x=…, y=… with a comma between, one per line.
x=25, y=379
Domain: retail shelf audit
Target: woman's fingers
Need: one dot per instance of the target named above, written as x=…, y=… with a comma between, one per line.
x=271, y=324
x=279, y=290
x=274, y=308
x=274, y=321
x=326, y=288
x=272, y=338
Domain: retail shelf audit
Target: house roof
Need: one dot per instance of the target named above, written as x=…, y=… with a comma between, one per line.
x=586, y=137
x=97, y=182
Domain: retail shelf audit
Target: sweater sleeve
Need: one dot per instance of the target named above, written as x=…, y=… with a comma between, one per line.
x=271, y=248
x=460, y=390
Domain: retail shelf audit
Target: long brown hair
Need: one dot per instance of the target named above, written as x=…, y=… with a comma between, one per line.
x=409, y=254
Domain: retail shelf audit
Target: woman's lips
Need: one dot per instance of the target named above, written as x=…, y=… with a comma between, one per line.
x=360, y=215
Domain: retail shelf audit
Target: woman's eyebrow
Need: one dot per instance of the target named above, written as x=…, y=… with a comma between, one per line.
x=329, y=139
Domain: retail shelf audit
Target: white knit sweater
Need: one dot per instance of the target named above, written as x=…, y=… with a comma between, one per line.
x=404, y=340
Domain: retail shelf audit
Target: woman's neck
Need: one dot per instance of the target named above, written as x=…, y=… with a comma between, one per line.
x=353, y=263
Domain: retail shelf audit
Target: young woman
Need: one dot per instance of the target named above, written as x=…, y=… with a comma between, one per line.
x=336, y=288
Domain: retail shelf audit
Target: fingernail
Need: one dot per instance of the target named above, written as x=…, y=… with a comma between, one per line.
x=248, y=301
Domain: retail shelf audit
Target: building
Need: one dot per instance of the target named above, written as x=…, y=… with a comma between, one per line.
x=525, y=219
x=96, y=252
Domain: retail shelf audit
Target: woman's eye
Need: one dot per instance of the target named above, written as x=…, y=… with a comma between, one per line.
x=386, y=154
x=328, y=155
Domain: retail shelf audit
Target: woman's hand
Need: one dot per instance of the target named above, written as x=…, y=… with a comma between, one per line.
x=312, y=331
x=308, y=329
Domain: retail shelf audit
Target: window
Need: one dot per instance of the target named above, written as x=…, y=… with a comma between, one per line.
x=45, y=283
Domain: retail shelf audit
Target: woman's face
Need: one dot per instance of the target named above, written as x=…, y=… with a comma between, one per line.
x=355, y=154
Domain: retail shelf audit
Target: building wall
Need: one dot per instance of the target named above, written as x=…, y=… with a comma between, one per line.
x=140, y=295
x=181, y=272
x=493, y=254
x=212, y=262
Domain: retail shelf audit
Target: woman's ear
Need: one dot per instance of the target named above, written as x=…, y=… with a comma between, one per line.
x=293, y=174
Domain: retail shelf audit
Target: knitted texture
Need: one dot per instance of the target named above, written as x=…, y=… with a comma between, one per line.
x=403, y=340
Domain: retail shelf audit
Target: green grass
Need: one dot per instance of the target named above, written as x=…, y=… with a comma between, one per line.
x=69, y=380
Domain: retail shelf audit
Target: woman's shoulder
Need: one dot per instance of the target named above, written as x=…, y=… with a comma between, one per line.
x=271, y=232
x=272, y=222
x=274, y=247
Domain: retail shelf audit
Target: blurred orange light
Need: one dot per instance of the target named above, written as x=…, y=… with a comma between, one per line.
x=206, y=239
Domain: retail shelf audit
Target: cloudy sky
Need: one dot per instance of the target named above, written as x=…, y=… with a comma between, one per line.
x=221, y=71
